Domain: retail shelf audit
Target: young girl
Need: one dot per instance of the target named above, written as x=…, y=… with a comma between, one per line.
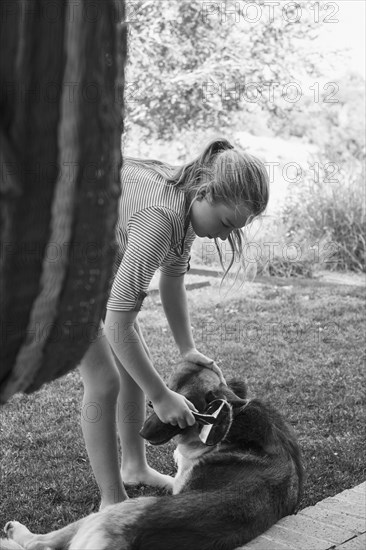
x=162, y=209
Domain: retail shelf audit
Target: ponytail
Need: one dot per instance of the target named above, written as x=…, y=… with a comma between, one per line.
x=213, y=148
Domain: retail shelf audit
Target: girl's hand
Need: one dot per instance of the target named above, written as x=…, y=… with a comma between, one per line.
x=173, y=408
x=197, y=357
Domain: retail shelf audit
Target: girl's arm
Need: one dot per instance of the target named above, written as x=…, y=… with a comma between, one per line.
x=174, y=299
x=124, y=339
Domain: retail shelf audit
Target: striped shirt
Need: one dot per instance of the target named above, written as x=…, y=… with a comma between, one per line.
x=152, y=233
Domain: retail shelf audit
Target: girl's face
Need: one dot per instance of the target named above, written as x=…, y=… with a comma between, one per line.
x=213, y=220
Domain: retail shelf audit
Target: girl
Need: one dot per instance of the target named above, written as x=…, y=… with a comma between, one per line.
x=162, y=209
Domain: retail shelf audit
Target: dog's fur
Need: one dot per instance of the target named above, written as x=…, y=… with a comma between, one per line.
x=223, y=496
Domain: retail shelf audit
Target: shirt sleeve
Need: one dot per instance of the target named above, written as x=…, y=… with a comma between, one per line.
x=177, y=265
x=149, y=241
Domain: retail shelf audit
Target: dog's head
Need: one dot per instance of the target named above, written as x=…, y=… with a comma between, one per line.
x=201, y=386
x=253, y=427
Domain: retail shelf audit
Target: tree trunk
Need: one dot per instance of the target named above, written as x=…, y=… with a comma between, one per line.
x=61, y=72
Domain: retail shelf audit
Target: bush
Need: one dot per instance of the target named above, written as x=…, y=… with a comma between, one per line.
x=331, y=211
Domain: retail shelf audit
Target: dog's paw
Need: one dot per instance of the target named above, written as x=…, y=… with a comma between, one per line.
x=17, y=532
x=9, y=543
x=9, y=528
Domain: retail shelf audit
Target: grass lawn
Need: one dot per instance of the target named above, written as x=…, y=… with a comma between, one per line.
x=299, y=344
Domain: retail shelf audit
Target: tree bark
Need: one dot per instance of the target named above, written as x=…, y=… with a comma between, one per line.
x=61, y=102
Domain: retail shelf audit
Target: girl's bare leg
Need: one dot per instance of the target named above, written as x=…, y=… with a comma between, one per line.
x=98, y=419
x=131, y=416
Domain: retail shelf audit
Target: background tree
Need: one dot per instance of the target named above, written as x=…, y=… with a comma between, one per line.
x=61, y=66
x=193, y=65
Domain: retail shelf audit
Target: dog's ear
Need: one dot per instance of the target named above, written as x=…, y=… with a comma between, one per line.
x=157, y=432
x=239, y=387
x=234, y=392
x=251, y=425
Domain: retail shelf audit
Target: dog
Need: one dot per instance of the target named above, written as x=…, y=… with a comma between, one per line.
x=229, y=488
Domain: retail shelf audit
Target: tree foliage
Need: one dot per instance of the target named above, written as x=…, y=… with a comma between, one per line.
x=193, y=65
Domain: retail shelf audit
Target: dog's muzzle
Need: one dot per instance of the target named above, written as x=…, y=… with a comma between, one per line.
x=216, y=420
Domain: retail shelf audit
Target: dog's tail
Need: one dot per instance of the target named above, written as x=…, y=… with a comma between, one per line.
x=8, y=544
x=204, y=520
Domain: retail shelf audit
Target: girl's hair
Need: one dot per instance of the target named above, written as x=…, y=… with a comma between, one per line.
x=225, y=175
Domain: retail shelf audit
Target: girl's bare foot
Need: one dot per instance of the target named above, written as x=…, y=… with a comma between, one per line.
x=147, y=476
x=113, y=496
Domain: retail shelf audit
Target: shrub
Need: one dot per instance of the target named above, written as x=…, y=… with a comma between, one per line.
x=331, y=211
